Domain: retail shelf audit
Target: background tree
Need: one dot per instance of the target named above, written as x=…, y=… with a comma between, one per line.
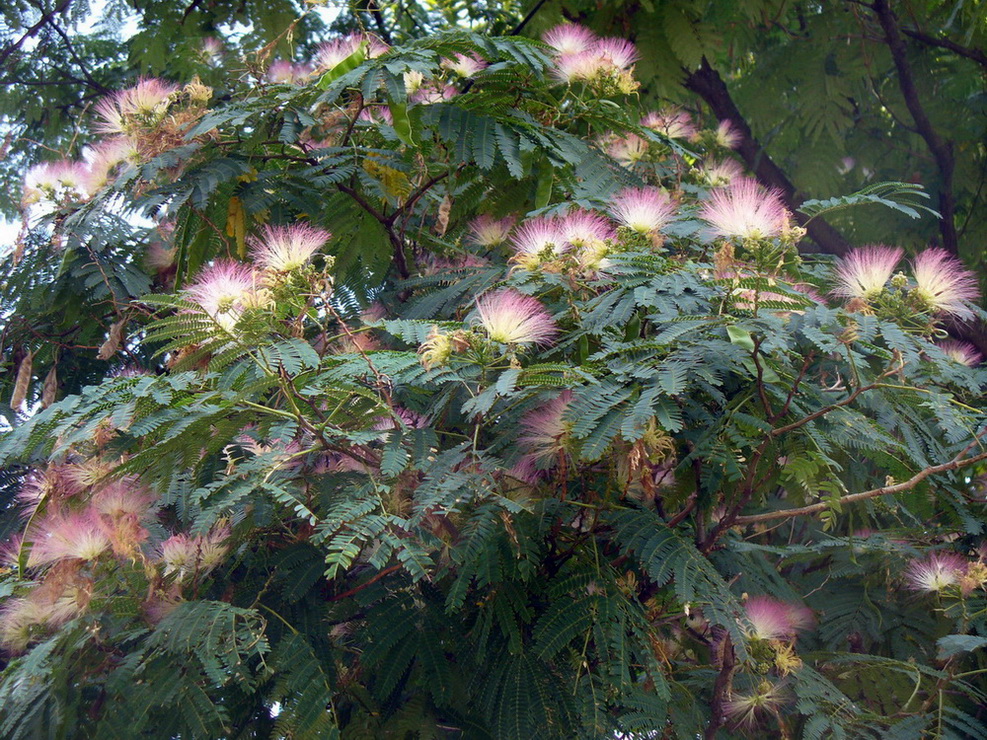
x=452, y=392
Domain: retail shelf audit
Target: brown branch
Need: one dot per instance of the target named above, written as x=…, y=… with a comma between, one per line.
x=707, y=83
x=976, y=55
x=90, y=80
x=942, y=151
x=955, y=464
x=369, y=582
x=723, y=686
x=33, y=30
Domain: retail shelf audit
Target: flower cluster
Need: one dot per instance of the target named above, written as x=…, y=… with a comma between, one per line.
x=226, y=288
x=604, y=64
x=946, y=573
x=81, y=521
x=940, y=286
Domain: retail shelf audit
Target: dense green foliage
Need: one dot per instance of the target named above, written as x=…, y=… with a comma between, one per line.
x=434, y=480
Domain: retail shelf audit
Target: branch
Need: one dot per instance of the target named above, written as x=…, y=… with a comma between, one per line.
x=33, y=30
x=976, y=55
x=75, y=57
x=942, y=151
x=960, y=461
x=707, y=83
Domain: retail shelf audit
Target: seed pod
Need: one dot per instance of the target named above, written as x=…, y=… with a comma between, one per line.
x=112, y=343
x=50, y=388
x=23, y=381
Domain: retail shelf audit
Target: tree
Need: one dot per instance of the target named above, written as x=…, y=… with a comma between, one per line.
x=452, y=394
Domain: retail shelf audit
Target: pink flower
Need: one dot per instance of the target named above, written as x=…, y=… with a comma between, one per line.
x=332, y=53
x=727, y=135
x=103, y=158
x=615, y=52
x=569, y=38
x=56, y=182
x=745, y=710
x=282, y=72
x=376, y=114
x=545, y=431
x=721, y=173
x=746, y=210
x=488, y=231
x=184, y=555
x=962, y=352
x=510, y=317
x=864, y=272
x=937, y=572
x=79, y=536
x=674, y=123
x=286, y=248
x=943, y=284
x=464, y=65
x=582, y=228
x=773, y=619
x=644, y=210
x=223, y=290
x=628, y=149
x=123, y=498
x=144, y=105
x=578, y=67
x=536, y=240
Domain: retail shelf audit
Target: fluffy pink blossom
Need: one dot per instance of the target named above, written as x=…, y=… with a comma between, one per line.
x=283, y=72
x=569, y=38
x=103, y=158
x=582, y=228
x=77, y=536
x=538, y=239
x=545, y=431
x=936, y=572
x=746, y=210
x=727, y=135
x=962, y=352
x=144, y=104
x=430, y=93
x=628, y=149
x=772, y=619
x=511, y=317
x=223, y=290
x=578, y=67
x=122, y=498
x=674, y=123
x=644, y=210
x=615, y=52
x=464, y=65
x=376, y=114
x=55, y=182
x=864, y=272
x=332, y=53
x=488, y=231
x=286, y=248
x=745, y=710
x=722, y=173
x=943, y=284
x=185, y=555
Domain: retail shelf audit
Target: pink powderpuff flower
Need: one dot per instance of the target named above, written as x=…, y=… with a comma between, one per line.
x=223, y=290
x=644, y=210
x=511, y=317
x=936, y=572
x=488, y=231
x=332, y=53
x=77, y=536
x=864, y=273
x=184, y=555
x=286, y=248
x=126, y=497
x=283, y=72
x=536, y=240
x=56, y=182
x=674, y=123
x=430, y=93
x=569, y=38
x=464, y=65
x=581, y=66
x=545, y=432
x=721, y=173
x=582, y=228
x=377, y=114
x=628, y=149
x=614, y=52
x=746, y=210
x=727, y=135
x=772, y=619
x=943, y=284
x=144, y=104
x=103, y=158
x=962, y=352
